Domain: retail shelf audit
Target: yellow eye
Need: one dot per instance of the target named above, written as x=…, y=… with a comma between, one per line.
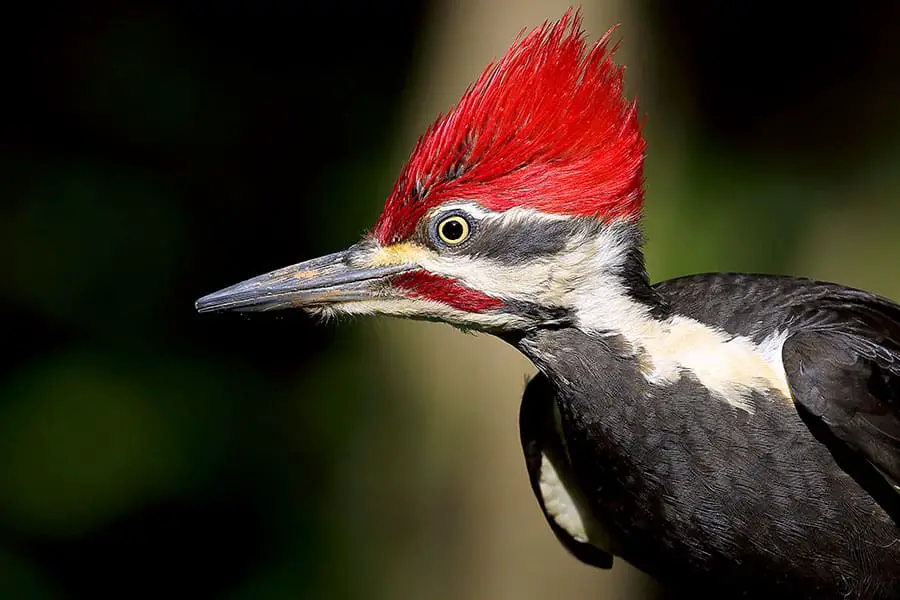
x=453, y=230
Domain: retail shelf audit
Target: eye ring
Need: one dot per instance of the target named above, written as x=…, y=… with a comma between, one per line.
x=453, y=230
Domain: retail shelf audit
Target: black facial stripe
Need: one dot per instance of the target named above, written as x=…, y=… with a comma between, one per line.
x=516, y=241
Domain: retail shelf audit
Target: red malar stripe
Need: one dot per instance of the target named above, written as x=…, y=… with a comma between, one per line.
x=427, y=286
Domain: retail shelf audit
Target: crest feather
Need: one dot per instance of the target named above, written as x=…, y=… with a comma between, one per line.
x=545, y=127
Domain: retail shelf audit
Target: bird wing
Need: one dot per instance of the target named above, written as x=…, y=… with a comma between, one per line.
x=540, y=441
x=843, y=370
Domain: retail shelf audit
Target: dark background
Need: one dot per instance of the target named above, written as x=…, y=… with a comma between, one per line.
x=152, y=152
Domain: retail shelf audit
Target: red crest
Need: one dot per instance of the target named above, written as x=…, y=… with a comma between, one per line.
x=545, y=127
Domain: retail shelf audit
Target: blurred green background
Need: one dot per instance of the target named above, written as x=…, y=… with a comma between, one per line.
x=151, y=152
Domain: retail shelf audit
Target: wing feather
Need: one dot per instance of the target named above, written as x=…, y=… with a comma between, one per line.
x=843, y=367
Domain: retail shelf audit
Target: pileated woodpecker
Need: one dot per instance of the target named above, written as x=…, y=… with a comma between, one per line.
x=726, y=433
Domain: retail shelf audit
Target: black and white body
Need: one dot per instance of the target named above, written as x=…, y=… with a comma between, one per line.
x=729, y=434
x=766, y=468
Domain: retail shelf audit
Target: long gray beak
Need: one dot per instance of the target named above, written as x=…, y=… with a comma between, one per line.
x=339, y=277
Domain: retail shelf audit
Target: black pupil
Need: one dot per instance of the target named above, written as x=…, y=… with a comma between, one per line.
x=452, y=230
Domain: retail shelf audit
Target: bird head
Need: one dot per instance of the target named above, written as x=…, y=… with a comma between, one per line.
x=517, y=209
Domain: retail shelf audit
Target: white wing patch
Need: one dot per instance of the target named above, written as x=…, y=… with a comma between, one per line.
x=563, y=501
x=559, y=503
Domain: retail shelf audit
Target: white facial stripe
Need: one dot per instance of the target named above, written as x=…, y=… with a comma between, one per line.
x=490, y=277
x=480, y=213
x=416, y=307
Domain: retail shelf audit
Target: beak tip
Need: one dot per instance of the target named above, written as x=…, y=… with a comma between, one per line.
x=211, y=302
x=201, y=305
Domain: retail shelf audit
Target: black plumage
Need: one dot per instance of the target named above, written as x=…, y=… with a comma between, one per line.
x=792, y=499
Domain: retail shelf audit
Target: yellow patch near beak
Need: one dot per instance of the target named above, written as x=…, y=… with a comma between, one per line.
x=398, y=254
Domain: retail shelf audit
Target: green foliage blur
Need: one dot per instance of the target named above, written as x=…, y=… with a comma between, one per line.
x=157, y=151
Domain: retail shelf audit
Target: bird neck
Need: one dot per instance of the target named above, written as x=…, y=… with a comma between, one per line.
x=614, y=294
x=605, y=289
x=625, y=321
